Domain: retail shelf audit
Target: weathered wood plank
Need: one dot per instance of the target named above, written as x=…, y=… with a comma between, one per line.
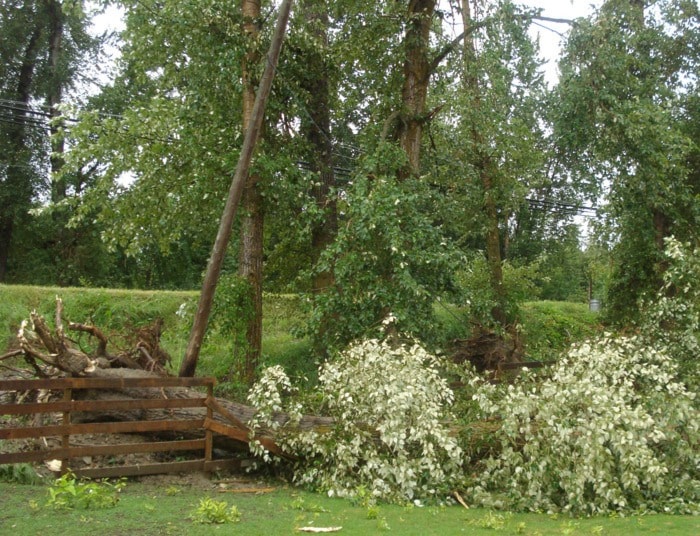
x=101, y=428
x=103, y=383
x=100, y=405
x=159, y=468
x=101, y=450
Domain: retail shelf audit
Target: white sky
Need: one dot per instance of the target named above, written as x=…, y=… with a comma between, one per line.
x=550, y=41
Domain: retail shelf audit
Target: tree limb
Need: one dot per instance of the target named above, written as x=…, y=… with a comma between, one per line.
x=552, y=19
x=449, y=47
x=95, y=332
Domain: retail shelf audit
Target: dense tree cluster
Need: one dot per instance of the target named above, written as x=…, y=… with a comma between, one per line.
x=411, y=151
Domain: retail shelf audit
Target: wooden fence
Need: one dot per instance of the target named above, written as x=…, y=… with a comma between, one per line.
x=203, y=427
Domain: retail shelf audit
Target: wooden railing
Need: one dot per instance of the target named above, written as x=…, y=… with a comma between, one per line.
x=67, y=429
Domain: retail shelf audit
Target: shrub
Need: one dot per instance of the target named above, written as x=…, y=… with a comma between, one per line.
x=611, y=430
x=390, y=436
x=19, y=473
x=210, y=511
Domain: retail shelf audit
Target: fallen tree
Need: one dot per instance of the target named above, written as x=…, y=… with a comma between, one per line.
x=53, y=353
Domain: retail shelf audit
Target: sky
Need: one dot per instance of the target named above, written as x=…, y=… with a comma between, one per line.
x=551, y=34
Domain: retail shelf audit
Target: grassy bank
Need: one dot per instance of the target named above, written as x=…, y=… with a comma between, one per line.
x=548, y=327
x=150, y=509
x=116, y=311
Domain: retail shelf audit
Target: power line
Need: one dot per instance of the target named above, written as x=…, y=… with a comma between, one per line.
x=558, y=207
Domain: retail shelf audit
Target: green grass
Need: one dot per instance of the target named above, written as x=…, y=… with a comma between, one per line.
x=114, y=310
x=146, y=509
x=548, y=326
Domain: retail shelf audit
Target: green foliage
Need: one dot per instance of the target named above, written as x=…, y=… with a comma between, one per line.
x=230, y=316
x=673, y=316
x=211, y=512
x=35, y=72
x=549, y=328
x=19, y=473
x=478, y=295
x=389, y=256
x=390, y=404
x=68, y=493
x=624, y=117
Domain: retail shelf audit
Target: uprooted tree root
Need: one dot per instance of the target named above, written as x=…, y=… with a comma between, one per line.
x=51, y=352
x=488, y=350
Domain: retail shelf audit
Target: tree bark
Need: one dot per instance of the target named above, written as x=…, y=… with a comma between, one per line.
x=416, y=78
x=250, y=266
x=18, y=188
x=316, y=129
x=487, y=173
x=55, y=97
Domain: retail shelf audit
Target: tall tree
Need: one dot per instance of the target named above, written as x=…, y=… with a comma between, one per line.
x=627, y=74
x=317, y=83
x=389, y=256
x=45, y=44
x=492, y=149
x=250, y=261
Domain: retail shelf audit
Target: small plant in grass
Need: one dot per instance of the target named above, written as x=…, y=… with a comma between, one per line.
x=67, y=493
x=172, y=490
x=491, y=521
x=300, y=504
x=213, y=512
x=19, y=473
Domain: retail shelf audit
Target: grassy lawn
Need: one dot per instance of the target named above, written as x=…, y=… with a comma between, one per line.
x=148, y=509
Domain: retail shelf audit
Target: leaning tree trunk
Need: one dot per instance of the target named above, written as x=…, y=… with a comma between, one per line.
x=189, y=363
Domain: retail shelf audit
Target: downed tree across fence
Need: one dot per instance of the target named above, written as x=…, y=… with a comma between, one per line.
x=200, y=423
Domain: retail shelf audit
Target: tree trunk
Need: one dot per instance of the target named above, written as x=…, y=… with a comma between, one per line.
x=5, y=242
x=18, y=188
x=55, y=97
x=316, y=129
x=416, y=78
x=487, y=174
x=250, y=264
x=493, y=253
x=250, y=268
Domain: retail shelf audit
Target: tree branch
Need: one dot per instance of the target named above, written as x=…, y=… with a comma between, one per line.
x=552, y=19
x=95, y=332
x=449, y=47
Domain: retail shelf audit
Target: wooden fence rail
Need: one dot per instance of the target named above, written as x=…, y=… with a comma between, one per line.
x=67, y=429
